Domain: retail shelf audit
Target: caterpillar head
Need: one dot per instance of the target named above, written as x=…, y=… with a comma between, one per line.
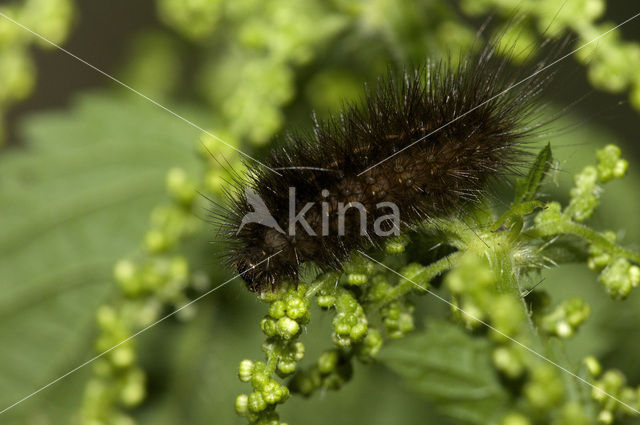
x=266, y=260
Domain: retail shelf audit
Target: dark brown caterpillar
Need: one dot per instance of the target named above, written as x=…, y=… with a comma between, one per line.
x=328, y=169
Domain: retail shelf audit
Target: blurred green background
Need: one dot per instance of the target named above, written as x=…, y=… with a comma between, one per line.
x=85, y=181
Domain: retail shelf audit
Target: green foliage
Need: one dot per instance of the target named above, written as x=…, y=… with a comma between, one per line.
x=453, y=369
x=71, y=205
x=89, y=179
x=526, y=188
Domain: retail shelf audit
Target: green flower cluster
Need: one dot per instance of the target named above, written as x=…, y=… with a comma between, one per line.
x=267, y=392
x=255, y=49
x=473, y=287
x=397, y=318
x=253, y=79
x=617, y=274
x=288, y=313
x=357, y=295
x=195, y=19
x=217, y=178
x=50, y=18
x=612, y=63
x=118, y=382
x=586, y=193
x=612, y=383
x=567, y=317
x=613, y=263
x=478, y=295
x=147, y=283
x=332, y=370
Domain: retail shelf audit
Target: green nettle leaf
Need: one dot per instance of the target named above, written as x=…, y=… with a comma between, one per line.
x=527, y=188
x=452, y=369
x=75, y=199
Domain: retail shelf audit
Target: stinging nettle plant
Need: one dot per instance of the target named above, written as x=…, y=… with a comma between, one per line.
x=485, y=267
x=486, y=272
x=458, y=309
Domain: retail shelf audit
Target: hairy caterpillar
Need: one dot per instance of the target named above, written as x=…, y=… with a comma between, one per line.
x=360, y=176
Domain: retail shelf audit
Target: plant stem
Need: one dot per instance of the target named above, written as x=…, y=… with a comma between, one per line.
x=588, y=234
x=432, y=270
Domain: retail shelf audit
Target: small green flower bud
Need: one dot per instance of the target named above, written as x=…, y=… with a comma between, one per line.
x=619, y=277
x=325, y=301
x=508, y=362
x=573, y=413
x=305, y=318
x=156, y=241
x=286, y=367
x=346, y=302
x=471, y=314
x=106, y=317
x=396, y=245
x=124, y=271
x=271, y=392
x=356, y=279
x=598, y=262
x=179, y=186
x=341, y=325
x=391, y=311
x=515, y=419
x=245, y=369
x=123, y=356
x=133, y=391
x=545, y=389
x=285, y=394
x=566, y=318
x=593, y=366
x=379, y=288
x=299, y=351
x=405, y=323
x=613, y=380
x=371, y=345
x=287, y=328
x=506, y=315
x=242, y=404
x=268, y=326
x=277, y=309
x=550, y=214
x=256, y=402
x=296, y=308
x=610, y=165
x=605, y=417
x=584, y=196
x=268, y=296
x=341, y=340
x=259, y=380
x=358, y=330
x=327, y=361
